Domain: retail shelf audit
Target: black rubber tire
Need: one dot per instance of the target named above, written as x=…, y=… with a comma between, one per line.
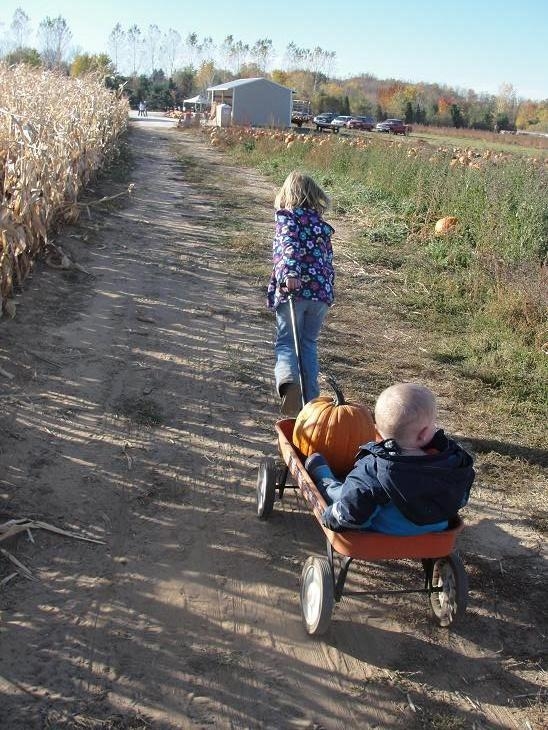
x=317, y=595
x=266, y=487
x=449, y=604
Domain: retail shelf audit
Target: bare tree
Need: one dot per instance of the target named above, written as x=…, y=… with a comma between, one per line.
x=134, y=40
x=20, y=28
x=506, y=103
x=55, y=35
x=206, y=50
x=295, y=56
x=240, y=52
x=152, y=42
x=170, y=49
x=192, y=50
x=226, y=50
x=116, y=42
x=316, y=61
x=262, y=52
x=319, y=63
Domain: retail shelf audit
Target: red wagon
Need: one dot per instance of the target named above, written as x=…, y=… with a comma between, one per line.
x=323, y=579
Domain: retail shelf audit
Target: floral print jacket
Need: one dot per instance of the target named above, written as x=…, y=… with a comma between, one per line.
x=302, y=249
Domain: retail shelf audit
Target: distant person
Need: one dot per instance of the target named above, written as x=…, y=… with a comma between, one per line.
x=414, y=481
x=302, y=267
x=145, y=109
x=142, y=108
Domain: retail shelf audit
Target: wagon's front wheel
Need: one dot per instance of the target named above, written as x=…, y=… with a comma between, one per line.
x=449, y=603
x=317, y=595
x=266, y=487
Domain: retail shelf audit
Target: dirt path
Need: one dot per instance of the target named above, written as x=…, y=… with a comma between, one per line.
x=141, y=403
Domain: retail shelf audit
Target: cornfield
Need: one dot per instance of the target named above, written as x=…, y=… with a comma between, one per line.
x=55, y=132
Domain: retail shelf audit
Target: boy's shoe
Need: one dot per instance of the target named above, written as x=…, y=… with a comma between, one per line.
x=317, y=466
x=291, y=399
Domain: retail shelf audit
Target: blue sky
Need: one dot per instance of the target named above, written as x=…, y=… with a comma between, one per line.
x=478, y=45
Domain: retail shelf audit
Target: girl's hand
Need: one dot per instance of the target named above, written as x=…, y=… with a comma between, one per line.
x=292, y=284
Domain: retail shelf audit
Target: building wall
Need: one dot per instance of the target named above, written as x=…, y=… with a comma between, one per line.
x=262, y=103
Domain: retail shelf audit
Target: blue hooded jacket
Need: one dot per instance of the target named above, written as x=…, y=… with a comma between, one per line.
x=400, y=494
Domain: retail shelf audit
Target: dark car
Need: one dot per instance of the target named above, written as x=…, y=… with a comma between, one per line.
x=323, y=121
x=366, y=123
x=393, y=126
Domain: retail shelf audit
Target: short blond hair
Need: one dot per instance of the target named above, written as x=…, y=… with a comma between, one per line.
x=403, y=409
x=301, y=191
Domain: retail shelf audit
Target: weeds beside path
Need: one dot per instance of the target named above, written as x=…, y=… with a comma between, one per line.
x=141, y=404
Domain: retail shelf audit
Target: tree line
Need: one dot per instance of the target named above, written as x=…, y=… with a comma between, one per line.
x=165, y=67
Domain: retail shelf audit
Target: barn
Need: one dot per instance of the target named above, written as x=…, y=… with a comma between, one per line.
x=257, y=102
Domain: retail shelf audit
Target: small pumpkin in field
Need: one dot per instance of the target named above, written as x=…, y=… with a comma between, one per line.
x=335, y=428
x=445, y=225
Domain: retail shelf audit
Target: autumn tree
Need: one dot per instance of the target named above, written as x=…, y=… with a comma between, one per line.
x=184, y=83
x=205, y=76
x=281, y=77
x=533, y=114
x=29, y=56
x=84, y=63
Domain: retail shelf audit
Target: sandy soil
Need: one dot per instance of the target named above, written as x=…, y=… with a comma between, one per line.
x=140, y=405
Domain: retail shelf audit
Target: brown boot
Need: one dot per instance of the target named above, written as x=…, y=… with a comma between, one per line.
x=291, y=399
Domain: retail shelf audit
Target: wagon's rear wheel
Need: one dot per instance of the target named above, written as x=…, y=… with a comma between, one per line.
x=449, y=603
x=317, y=595
x=266, y=487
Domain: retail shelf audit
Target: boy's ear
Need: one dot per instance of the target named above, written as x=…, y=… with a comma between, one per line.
x=423, y=436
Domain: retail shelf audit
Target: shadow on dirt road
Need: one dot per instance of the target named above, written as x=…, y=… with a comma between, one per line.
x=140, y=405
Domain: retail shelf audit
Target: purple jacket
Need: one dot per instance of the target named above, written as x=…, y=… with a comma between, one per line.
x=302, y=249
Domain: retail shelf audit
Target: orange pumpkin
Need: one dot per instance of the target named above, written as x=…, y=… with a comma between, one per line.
x=334, y=428
x=445, y=225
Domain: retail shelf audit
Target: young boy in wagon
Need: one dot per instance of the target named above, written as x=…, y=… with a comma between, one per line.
x=413, y=481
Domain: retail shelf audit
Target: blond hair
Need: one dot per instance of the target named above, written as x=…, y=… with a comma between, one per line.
x=301, y=191
x=403, y=409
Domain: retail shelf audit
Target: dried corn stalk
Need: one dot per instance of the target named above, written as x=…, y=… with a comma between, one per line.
x=55, y=132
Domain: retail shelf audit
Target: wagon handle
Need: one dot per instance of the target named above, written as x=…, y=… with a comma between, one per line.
x=297, y=344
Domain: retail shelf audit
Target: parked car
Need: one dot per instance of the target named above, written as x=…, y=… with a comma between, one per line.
x=393, y=126
x=323, y=121
x=338, y=122
x=301, y=112
x=367, y=123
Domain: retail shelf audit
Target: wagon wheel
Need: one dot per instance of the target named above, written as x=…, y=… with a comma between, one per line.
x=266, y=487
x=449, y=603
x=316, y=595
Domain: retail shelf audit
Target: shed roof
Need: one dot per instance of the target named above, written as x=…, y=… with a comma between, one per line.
x=240, y=82
x=196, y=100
